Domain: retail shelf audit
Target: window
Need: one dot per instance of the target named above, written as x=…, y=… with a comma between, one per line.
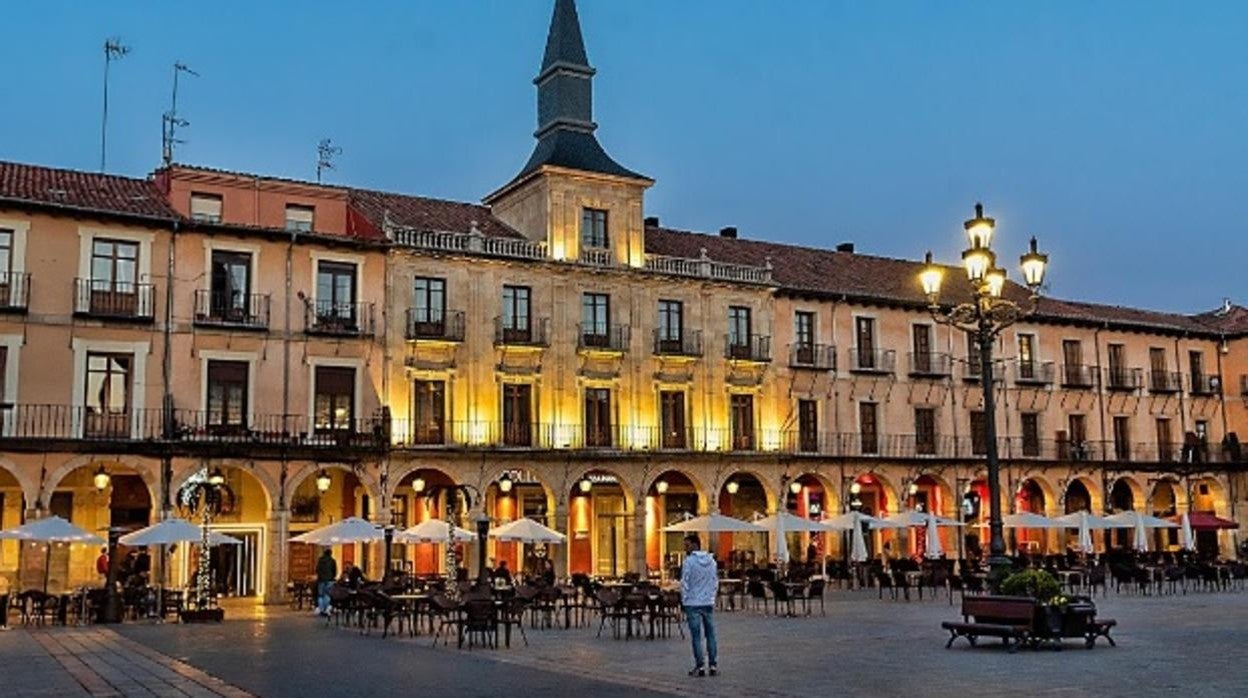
x=672, y=415
x=231, y=285
x=114, y=265
x=598, y=417
x=205, y=208
x=428, y=306
x=1072, y=358
x=974, y=360
x=865, y=333
x=107, y=405
x=1031, y=434
x=428, y=411
x=595, y=316
x=808, y=426
x=925, y=431
x=4, y=365
x=517, y=414
x=6, y=254
x=517, y=323
x=979, y=433
x=671, y=325
x=738, y=329
x=334, y=405
x=1078, y=436
x=922, y=346
x=398, y=511
x=299, y=218
x=804, y=329
x=12, y=290
x=869, y=427
x=335, y=295
x=1160, y=377
x=742, y=419
x=593, y=228
x=1117, y=359
x=227, y=395
x=1165, y=441
x=1122, y=438
x=1027, y=356
x=1196, y=369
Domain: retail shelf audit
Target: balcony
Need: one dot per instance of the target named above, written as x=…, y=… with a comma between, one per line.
x=927, y=364
x=819, y=357
x=114, y=300
x=872, y=360
x=1162, y=382
x=353, y=319
x=250, y=312
x=1206, y=385
x=597, y=257
x=1121, y=379
x=611, y=339
x=534, y=333
x=425, y=325
x=14, y=292
x=1033, y=373
x=1078, y=376
x=687, y=344
x=755, y=348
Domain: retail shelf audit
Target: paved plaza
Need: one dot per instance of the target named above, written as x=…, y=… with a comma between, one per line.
x=864, y=646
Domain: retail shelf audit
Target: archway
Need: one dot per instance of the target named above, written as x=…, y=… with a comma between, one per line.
x=928, y=493
x=671, y=497
x=601, y=517
x=1078, y=497
x=413, y=501
x=237, y=570
x=319, y=494
x=1164, y=502
x=741, y=495
x=811, y=496
x=1122, y=498
x=12, y=513
x=515, y=494
x=1031, y=498
x=1208, y=496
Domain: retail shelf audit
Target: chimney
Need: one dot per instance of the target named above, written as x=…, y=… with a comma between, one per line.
x=845, y=247
x=727, y=232
x=651, y=221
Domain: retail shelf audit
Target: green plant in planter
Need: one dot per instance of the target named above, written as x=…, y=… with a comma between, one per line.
x=1037, y=584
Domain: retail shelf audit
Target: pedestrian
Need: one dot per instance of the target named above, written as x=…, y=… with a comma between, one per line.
x=326, y=573
x=101, y=566
x=4, y=602
x=699, y=580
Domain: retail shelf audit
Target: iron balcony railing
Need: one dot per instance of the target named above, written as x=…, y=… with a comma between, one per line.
x=1033, y=372
x=820, y=357
x=425, y=324
x=114, y=300
x=1164, y=381
x=929, y=364
x=249, y=311
x=686, y=343
x=349, y=319
x=1118, y=378
x=1078, y=376
x=1205, y=384
x=755, y=347
x=872, y=360
x=14, y=291
x=609, y=338
x=529, y=332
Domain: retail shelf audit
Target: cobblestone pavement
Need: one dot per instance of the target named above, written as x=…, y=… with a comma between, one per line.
x=864, y=646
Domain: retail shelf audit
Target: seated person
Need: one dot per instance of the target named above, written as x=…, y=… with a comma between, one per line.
x=501, y=573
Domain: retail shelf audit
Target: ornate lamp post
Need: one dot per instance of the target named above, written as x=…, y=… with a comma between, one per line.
x=984, y=317
x=209, y=496
x=453, y=492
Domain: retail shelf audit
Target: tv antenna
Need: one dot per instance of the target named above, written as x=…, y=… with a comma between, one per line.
x=170, y=120
x=325, y=152
x=113, y=50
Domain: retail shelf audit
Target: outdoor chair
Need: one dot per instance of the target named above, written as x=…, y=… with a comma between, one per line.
x=757, y=592
x=780, y=595
x=666, y=611
x=443, y=614
x=1096, y=578
x=511, y=614
x=479, y=623
x=610, y=610
x=884, y=580
x=815, y=591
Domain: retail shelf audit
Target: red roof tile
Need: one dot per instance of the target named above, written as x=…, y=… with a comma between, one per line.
x=82, y=191
x=427, y=214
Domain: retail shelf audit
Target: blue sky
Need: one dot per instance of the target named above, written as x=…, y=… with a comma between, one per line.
x=1115, y=131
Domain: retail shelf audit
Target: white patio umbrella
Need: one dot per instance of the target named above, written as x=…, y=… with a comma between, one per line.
x=434, y=531
x=714, y=523
x=847, y=521
x=526, y=531
x=918, y=518
x=857, y=545
x=1139, y=522
x=50, y=529
x=933, y=549
x=172, y=531
x=1085, y=522
x=350, y=530
x=1026, y=519
x=1189, y=539
x=791, y=523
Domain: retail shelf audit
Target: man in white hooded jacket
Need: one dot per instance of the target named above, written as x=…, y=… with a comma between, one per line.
x=699, y=580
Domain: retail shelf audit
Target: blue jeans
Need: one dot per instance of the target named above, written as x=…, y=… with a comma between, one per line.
x=700, y=619
x=322, y=596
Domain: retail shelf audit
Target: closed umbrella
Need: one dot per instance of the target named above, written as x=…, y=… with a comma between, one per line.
x=526, y=531
x=782, y=545
x=933, y=548
x=1189, y=539
x=858, y=545
x=350, y=530
x=1085, y=522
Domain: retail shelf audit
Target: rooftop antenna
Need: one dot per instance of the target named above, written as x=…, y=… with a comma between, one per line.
x=113, y=50
x=325, y=152
x=170, y=121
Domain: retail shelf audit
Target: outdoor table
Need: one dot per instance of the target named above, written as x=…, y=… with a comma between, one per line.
x=411, y=604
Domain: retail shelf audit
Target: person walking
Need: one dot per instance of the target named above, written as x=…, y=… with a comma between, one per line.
x=326, y=573
x=699, y=581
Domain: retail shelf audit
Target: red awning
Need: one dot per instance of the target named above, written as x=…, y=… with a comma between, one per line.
x=1205, y=521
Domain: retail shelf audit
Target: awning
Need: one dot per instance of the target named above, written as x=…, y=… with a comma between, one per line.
x=1208, y=521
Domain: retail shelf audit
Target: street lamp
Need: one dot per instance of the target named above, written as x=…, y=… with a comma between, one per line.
x=505, y=483
x=661, y=487
x=733, y=486
x=418, y=485
x=323, y=482
x=585, y=485
x=983, y=317
x=101, y=479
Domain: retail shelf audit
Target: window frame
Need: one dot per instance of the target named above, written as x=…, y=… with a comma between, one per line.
x=594, y=232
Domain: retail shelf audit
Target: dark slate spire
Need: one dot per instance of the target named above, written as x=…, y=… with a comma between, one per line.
x=565, y=113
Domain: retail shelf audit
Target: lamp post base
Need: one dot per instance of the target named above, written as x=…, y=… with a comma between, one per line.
x=110, y=610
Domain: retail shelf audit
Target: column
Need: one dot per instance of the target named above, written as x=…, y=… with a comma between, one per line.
x=560, y=552
x=637, y=551
x=277, y=530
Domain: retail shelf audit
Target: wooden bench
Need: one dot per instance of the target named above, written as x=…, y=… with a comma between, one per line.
x=1100, y=627
x=1010, y=618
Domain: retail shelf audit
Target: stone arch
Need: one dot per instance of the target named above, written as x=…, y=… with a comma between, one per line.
x=626, y=484
x=1096, y=499
x=892, y=502
x=149, y=472
x=268, y=485
x=494, y=474
x=949, y=500
x=704, y=495
x=1138, y=501
x=831, y=490
x=769, y=491
x=1215, y=495
x=1162, y=487
x=1046, y=489
x=30, y=488
x=372, y=484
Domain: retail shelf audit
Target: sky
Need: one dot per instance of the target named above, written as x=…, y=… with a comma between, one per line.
x=1116, y=132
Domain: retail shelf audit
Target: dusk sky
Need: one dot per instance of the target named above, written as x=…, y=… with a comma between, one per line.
x=1117, y=132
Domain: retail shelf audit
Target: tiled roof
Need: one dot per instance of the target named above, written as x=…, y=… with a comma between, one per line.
x=1230, y=320
x=865, y=278
x=82, y=191
x=426, y=214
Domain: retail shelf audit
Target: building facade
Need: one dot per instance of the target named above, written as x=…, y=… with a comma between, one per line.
x=337, y=351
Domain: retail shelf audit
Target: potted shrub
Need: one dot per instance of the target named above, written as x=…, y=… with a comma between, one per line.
x=1041, y=586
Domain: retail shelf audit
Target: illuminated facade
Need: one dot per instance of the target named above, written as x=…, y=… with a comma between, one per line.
x=558, y=350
